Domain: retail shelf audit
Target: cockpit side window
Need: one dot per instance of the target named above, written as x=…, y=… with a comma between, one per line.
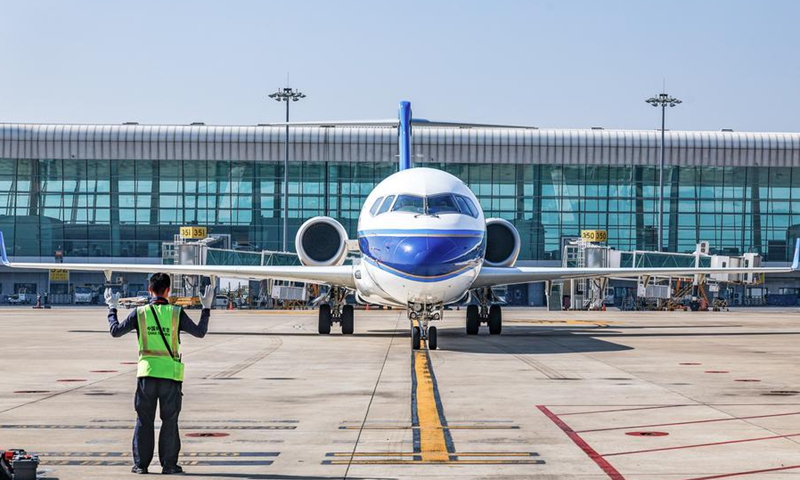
x=409, y=203
x=386, y=204
x=438, y=204
x=466, y=206
x=375, y=206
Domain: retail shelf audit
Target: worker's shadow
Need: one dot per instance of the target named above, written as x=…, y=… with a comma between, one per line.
x=518, y=340
x=264, y=476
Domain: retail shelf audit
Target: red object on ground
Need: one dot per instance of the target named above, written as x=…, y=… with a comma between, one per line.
x=598, y=459
x=647, y=434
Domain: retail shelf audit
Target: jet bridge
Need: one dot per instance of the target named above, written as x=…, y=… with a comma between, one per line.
x=695, y=292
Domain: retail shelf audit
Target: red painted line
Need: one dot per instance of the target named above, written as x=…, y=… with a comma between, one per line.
x=625, y=409
x=601, y=462
x=681, y=447
x=751, y=472
x=688, y=423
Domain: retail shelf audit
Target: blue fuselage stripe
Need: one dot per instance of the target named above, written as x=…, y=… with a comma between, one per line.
x=434, y=256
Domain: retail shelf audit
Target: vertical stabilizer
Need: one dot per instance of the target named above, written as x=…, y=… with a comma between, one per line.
x=404, y=134
x=3, y=255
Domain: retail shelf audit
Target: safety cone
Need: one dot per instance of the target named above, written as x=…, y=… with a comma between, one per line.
x=230, y=304
x=367, y=307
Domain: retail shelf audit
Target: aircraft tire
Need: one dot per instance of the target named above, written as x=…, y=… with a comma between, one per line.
x=347, y=320
x=432, y=343
x=415, y=338
x=473, y=320
x=324, y=325
x=495, y=320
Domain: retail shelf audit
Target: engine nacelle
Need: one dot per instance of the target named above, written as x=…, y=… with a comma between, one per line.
x=502, y=243
x=321, y=241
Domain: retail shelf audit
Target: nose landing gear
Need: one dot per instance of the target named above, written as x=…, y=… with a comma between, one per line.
x=420, y=315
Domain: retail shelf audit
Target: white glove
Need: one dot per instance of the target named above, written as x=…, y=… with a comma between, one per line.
x=112, y=299
x=207, y=299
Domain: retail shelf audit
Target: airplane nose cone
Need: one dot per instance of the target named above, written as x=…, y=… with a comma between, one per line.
x=416, y=252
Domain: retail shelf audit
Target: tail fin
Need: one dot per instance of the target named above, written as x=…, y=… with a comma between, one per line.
x=404, y=134
x=796, y=261
x=3, y=255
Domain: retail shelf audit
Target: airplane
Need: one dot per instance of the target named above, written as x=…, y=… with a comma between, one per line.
x=423, y=243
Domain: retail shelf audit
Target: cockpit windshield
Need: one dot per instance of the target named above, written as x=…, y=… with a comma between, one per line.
x=438, y=204
x=409, y=203
x=444, y=203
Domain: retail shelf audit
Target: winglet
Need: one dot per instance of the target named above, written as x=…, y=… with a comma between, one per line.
x=3, y=255
x=795, y=263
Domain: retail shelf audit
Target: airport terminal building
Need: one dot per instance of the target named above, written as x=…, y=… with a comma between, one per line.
x=114, y=193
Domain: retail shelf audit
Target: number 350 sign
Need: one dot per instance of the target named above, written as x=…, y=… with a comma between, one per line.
x=594, y=235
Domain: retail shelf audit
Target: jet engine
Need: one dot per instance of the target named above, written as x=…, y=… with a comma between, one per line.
x=502, y=243
x=321, y=241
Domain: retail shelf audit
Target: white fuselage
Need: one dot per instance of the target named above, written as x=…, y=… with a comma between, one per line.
x=424, y=242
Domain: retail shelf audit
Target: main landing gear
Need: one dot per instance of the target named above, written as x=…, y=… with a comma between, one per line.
x=492, y=315
x=420, y=315
x=336, y=311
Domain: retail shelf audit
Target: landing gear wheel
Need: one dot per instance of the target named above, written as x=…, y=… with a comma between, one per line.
x=431, y=338
x=473, y=321
x=324, y=319
x=415, y=338
x=347, y=320
x=495, y=320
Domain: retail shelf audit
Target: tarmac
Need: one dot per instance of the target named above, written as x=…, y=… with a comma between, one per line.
x=559, y=395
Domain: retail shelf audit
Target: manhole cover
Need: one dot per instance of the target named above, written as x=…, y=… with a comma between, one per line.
x=689, y=363
x=207, y=434
x=32, y=391
x=102, y=371
x=782, y=393
x=128, y=363
x=747, y=380
x=70, y=380
x=647, y=434
x=717, y=371
x=99, y=394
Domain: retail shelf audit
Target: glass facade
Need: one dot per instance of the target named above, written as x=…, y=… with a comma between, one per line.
x=125, y=208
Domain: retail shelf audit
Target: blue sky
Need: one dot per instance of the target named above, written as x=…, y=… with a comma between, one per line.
x=570, y=64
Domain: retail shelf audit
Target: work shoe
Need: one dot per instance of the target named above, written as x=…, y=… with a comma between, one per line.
x=139, y=470
x=172, y=470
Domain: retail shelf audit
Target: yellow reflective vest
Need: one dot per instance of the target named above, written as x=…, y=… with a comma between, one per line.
x=154, y=358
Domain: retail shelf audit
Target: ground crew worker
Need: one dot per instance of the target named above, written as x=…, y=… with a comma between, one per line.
x=160, y=371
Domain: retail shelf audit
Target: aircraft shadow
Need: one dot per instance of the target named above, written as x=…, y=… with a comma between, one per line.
x=516, y=340
x=519, y=339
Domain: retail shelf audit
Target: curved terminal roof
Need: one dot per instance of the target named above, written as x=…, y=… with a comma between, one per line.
x=379, y=144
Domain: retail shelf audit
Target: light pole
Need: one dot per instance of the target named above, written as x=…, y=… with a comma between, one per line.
x=286, y=95
x=662, y=100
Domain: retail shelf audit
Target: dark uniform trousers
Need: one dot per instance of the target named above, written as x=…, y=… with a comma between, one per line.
x=167, y=394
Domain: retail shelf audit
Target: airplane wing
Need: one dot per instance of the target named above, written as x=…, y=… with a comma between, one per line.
x=340, y=276
x=497, y=276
